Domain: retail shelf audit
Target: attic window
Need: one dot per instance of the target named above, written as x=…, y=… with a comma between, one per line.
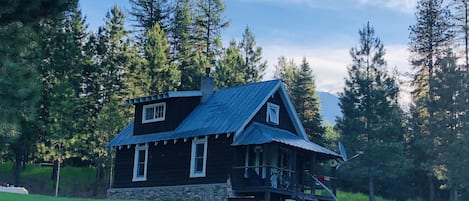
x=272, y=115
x=154, y=112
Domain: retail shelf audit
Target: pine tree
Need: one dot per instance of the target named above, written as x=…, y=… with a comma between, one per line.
x=253, y=65
x=286, y=69
x=147, y=13
x=460, y=16
x=164, y=76
x=228, y=70
x=19, y=89
x=300, y=85
x=182, y=47
x=209, y=21
x=306, y=102
x=28, y=13
x=64, y=41
x=449, y=108
x=430, y=36
x=113, y=48
x=372, y=120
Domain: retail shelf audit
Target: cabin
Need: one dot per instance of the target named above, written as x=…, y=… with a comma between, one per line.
x=238, y=143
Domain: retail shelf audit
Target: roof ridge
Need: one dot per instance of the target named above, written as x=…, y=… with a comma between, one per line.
x=250, y=84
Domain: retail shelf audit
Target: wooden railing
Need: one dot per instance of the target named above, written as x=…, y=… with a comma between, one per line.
x=283, y=180
x=264, y=177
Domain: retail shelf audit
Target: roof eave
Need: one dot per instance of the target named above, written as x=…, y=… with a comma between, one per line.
x=161, y=96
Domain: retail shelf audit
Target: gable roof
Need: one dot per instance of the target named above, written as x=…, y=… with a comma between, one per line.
x=258, y=133
x=226, y=111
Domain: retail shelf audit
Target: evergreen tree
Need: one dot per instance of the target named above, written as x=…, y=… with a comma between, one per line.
x=164, y=76
x=306, y=102
x=19, y=89
x=449, y=110
x=116, y=68
x=209, y=21
x=228, y=69
x=182, y=47
x=286, y=70
x=114, y=60
x=28, y=13
x=64, y=42
x=147, y=13
x=300, y=85
x=460, y=16
x=253, y=66
x=429, y=37
x=372, y=120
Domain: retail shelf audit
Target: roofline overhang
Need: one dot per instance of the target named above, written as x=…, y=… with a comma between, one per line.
x=162, y=96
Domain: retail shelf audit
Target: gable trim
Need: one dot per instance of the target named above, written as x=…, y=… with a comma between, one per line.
x=289, y=107
x=292, y=113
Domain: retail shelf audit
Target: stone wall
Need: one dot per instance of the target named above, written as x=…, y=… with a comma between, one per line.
x=199, y=192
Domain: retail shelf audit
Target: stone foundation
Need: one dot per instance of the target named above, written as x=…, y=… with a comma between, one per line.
x=198, y=192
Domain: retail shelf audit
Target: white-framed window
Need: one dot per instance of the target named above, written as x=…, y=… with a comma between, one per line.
x=272, y=115
x=198, y=157
x=154, y=112
x=140, y=163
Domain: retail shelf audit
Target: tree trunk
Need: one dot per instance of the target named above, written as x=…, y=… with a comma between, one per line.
x=453, y=193
x=57, y=179
x=431, y=190
x=18, y=166
x=371, y=187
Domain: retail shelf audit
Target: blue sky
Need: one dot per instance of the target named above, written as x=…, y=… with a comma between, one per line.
x=323, y=31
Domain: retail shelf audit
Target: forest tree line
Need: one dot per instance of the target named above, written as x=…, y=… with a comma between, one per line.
x=63, y=88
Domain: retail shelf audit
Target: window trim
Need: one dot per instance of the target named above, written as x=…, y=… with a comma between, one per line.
x=136, y=177
x=155, y=105
x=195, y=142
x=268, y=118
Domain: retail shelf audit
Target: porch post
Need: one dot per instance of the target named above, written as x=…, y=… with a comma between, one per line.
x=267, y=196
x=295, y=186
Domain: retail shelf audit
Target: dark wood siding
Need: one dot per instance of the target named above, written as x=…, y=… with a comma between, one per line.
x=170, y=164
x=177, y=109
x=285, y=122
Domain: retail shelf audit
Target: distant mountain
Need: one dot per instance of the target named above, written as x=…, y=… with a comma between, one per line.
x=330, y=109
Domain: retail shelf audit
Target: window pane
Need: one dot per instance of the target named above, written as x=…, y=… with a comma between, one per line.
x=141, y=170
x=199, y=163
x=141, y=156
x=199, y=150
x=149, y=113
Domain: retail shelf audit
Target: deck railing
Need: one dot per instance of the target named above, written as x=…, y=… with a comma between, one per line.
x=264, y=177
x=283, y=180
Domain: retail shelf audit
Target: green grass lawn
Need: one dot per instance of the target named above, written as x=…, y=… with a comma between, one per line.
x=79, y=182
x=74, y=181
x=344, y=196
x=31, y=197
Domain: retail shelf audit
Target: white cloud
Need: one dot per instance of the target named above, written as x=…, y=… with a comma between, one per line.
x=407, y=6
x=329, y=63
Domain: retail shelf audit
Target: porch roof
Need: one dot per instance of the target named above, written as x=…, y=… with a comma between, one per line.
x=258, y=133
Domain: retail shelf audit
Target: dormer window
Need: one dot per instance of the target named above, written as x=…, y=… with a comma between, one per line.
x=154, y=112
x=272, y=115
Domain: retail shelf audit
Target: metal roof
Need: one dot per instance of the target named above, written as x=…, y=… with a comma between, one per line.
x=226, y=111
x=258, y=133
x=160, y=96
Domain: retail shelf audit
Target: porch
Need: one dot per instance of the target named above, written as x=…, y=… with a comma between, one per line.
x=277, y=172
